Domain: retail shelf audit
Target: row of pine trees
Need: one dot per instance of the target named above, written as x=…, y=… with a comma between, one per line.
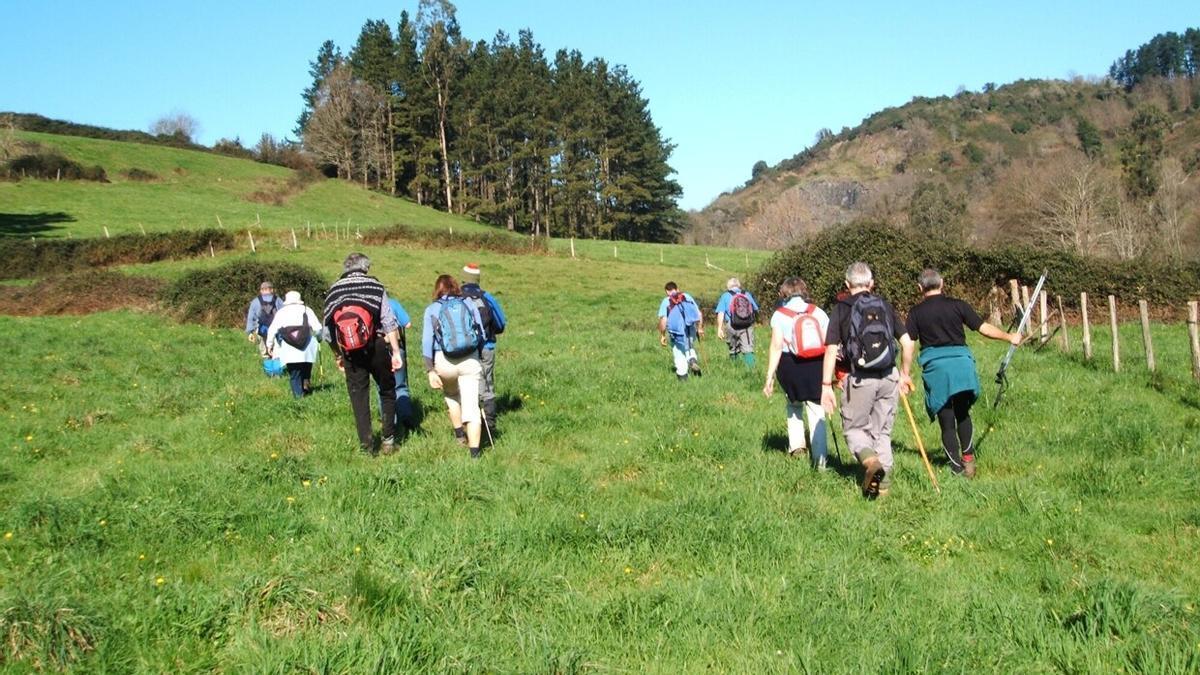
x=493, y=130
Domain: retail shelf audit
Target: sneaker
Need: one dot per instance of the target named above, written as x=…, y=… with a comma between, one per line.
x=873, y=474
x=388, y=446
x=476, y=453
x=969, y=466
x=694, y=366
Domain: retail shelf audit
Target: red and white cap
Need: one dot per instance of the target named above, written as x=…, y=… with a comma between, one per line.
x=471, y=269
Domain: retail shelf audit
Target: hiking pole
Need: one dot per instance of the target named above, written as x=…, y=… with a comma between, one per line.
x=1001, y=375
x=833, y=432
x=920, y=443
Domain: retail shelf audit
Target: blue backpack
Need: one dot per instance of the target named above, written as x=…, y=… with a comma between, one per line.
x=681, y=313
x=457, y=331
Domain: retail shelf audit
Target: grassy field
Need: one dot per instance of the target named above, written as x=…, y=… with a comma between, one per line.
x=165, y=507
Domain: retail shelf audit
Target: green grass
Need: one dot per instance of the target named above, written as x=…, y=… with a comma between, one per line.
x=194, y=190
x=624, y=522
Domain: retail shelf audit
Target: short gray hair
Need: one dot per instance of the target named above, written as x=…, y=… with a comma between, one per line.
x=858, y=275
x=930, y=280
x=732, y=284
x=357, y=262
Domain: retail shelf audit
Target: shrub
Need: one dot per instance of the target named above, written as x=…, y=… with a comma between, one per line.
x=498, y=242
x=141, y=175
x=48, y=164
x=219, y=296
x=20, y=258
x=897, y=257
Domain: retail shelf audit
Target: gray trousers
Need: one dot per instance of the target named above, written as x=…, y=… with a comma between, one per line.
x=487, y=390
x=868, y=411
x=739, y=341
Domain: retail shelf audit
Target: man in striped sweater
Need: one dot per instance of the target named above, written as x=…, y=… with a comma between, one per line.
x=358, y=300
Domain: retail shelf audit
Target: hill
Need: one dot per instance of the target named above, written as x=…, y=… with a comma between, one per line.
x=999, y=163
x=187, y=188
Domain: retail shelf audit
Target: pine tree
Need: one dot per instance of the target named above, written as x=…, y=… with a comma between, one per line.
x=328, y=58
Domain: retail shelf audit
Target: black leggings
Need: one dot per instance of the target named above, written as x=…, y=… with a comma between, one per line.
x=957, y=430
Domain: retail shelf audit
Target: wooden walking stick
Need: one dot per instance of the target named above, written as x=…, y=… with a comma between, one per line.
x=920, y=443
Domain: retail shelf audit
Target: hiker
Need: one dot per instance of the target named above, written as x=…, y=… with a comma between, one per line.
x=451, y=339
x=947, y=366
x=405, y=418
x=736, y=312
x=494, y=322
x=293, y=339
x=865, y=328
x=680, y=318
x=796, y=356
x=357, y=313
x=260, y=314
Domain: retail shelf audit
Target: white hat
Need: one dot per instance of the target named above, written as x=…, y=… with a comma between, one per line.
x=292, y=298
x=471, y=269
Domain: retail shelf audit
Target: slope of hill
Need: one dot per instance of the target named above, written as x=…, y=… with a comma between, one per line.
x=191, y=189
x=997, y=153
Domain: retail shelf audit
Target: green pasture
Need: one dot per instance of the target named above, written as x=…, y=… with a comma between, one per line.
x=165, y=507
x=194, y=189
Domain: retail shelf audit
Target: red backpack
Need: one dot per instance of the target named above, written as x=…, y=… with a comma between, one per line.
x=355, y=327
x=809, y=338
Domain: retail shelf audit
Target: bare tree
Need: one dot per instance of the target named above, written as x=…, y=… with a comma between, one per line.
x=1129, y=233
x=9, y=145
x=442, y=50
x=1070, y=206
x=1171, y=207
x=177, y=123
x=330, y=132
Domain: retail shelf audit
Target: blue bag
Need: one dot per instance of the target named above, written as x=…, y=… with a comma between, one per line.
x=457, y=330
x=273, y=368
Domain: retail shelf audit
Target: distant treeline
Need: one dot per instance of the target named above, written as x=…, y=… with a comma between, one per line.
x=496, y=130
x=1165, y=55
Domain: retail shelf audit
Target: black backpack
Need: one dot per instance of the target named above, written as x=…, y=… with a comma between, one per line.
x=266, y=314
x=741, y=311
x=475, y=295
x=872, y=343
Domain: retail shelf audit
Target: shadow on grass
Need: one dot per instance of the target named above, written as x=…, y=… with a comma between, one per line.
x=28, y=224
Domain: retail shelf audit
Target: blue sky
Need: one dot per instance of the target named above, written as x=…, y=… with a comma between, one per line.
x=730, y=83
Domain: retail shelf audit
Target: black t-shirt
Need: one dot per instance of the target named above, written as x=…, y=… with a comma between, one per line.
x=938, y=320
x=839, y=320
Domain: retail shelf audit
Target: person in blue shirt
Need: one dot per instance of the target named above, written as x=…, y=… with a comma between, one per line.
x=260, y=314
x=494, y=322
x=404, y=408
x=459, y=377
x=736, y=313
x=680, y=323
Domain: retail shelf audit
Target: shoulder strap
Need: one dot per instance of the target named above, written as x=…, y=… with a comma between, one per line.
x=789, y=313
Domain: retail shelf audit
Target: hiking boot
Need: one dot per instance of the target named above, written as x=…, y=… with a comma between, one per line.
x=969, y=466
x=476, y=453
x=873, y=475
x=694, y=366
x=387, y=447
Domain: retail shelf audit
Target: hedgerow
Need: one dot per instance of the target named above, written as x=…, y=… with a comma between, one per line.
x=22, y=258
x=897, y=257
x=497, y=242
x=219, y=296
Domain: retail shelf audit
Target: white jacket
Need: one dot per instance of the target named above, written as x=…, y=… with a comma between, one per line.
x=294, y=314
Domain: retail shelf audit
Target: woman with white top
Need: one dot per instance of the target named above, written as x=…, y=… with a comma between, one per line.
x=796, y=355
x=293, y=339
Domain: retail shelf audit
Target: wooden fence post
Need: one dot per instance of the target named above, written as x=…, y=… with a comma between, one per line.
x=1194, y=334
x=1043, y=329
x=614, y=251
x=251, y=235
x=1087, y=327
x=219, y=223
x=1144, y=310
x=142, y=228
x=1015, y=291
x=1062, y=325
x=572, y=248
x=211, y=251
x=106, y=235
x=1024, y=304
x=1116, y=337
x=295, y=244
